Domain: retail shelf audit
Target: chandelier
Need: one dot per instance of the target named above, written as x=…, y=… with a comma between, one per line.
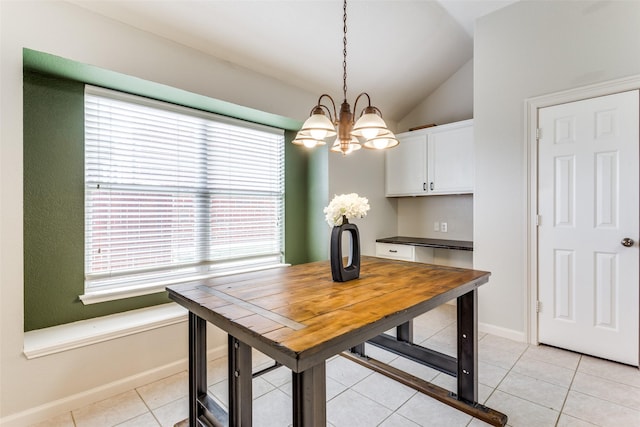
x=369, y=130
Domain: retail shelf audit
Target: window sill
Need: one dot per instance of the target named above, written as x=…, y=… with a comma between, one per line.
x=56, y=339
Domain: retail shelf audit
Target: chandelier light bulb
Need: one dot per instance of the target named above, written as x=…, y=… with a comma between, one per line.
x=380, y=143
x=318, y=133
x=370, y=133
x=309, y=143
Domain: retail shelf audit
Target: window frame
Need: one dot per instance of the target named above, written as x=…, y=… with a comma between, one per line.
x=149, y=282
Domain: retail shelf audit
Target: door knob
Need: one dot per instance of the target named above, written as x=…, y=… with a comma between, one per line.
x=627, y=242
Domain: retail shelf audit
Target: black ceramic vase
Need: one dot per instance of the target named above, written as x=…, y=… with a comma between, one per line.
x=339, y=272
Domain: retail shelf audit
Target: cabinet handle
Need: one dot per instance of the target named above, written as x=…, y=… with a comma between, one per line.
x=393, y=251
x=431, y=186
x=424, y=186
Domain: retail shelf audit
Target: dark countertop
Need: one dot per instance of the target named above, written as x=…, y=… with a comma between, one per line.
x=461, y=245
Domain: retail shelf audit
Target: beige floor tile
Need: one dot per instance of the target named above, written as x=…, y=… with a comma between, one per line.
x=545, y=371
x=346, y=372
x=259, y=387
x=395, y=420
x=442, y=343
x=490, y=375
x=112, y=411
x=522, y=413
x=278, y=377
x=610, y=370
x=569, y=421
x=166, y=390
x=385, y=391
x=477, y=423
x=62, y=420
x=599, y=412
x=426, y=411
x=379, y=354
x=555, y=356
x=216, y=370
x=415, y=368
x=144, y=420
x=601, y=388
x=272, y=409
x=171, y=413
x=451, y=383
x=500, y=358
x=502, y=344
x=351, y=409
x=442, y=316
x=534, y=390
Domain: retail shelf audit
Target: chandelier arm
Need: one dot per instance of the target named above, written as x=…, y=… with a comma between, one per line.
x=333, y=118
x=355, y=104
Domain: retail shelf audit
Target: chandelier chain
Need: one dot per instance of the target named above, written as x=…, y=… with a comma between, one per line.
x=344, y=51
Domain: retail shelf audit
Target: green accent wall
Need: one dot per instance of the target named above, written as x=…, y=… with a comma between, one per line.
x=317, y=199
x=296, y=182
x=54, y=200
x=54, y=207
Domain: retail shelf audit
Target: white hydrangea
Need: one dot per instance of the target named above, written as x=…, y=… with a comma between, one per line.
x=348, y=205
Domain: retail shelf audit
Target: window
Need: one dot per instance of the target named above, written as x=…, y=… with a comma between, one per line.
x=173, y=194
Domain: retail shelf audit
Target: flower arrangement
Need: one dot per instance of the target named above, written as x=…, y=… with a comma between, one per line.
x=346, y=205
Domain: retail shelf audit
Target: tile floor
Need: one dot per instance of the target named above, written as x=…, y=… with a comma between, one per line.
x=534, y=385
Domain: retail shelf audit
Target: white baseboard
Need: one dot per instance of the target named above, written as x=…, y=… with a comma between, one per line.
x=70, y=403
x=502, y=332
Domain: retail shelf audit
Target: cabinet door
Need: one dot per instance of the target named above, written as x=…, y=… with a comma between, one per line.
x=406, y=166
x=450, y=165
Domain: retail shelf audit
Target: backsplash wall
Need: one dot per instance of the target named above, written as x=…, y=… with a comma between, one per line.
x=417, y=215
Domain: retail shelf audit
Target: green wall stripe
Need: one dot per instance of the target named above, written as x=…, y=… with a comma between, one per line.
x=72, y=70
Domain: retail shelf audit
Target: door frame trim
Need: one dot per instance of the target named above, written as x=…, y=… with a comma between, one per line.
x=531, y=107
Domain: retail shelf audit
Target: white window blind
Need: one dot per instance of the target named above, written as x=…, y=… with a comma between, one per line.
x=174, y=193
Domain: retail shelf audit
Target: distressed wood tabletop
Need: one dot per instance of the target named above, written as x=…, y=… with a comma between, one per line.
x=300, y=317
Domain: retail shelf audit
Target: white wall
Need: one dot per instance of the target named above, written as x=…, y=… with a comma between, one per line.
x=451, y=102
x=528, y=49
x=31, y=388
x=362, y=172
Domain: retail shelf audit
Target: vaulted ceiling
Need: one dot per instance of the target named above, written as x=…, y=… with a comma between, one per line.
x=399, y=51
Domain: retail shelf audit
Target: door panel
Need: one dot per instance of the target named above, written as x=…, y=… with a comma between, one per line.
x=588, y=202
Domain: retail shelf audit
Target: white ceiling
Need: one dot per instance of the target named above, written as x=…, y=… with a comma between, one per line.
x=398, y=51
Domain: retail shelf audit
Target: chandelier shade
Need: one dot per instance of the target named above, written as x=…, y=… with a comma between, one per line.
x=370, y=130
x=318, y=125
x=369, y=125
x=382, y=142
x=349, y=146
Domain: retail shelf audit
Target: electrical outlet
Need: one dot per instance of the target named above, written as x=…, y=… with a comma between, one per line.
x=443, y=227
x=436, y=226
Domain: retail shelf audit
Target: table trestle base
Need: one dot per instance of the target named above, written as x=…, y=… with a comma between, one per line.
x=476, y=410
x=425, y=356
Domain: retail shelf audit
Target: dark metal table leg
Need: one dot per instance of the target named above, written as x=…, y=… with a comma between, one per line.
x=240, y=385
x=197, y=365
x=404, y=332
x=358, y=349
x=310, y=397
x=468, y=346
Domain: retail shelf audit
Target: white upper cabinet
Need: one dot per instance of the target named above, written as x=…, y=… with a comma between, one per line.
x=406, y=174
x=431, y=161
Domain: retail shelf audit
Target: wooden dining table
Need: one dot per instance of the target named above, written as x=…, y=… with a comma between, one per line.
x=300, y=317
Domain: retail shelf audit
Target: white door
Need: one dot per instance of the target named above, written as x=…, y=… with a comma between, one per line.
x=588, y=205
